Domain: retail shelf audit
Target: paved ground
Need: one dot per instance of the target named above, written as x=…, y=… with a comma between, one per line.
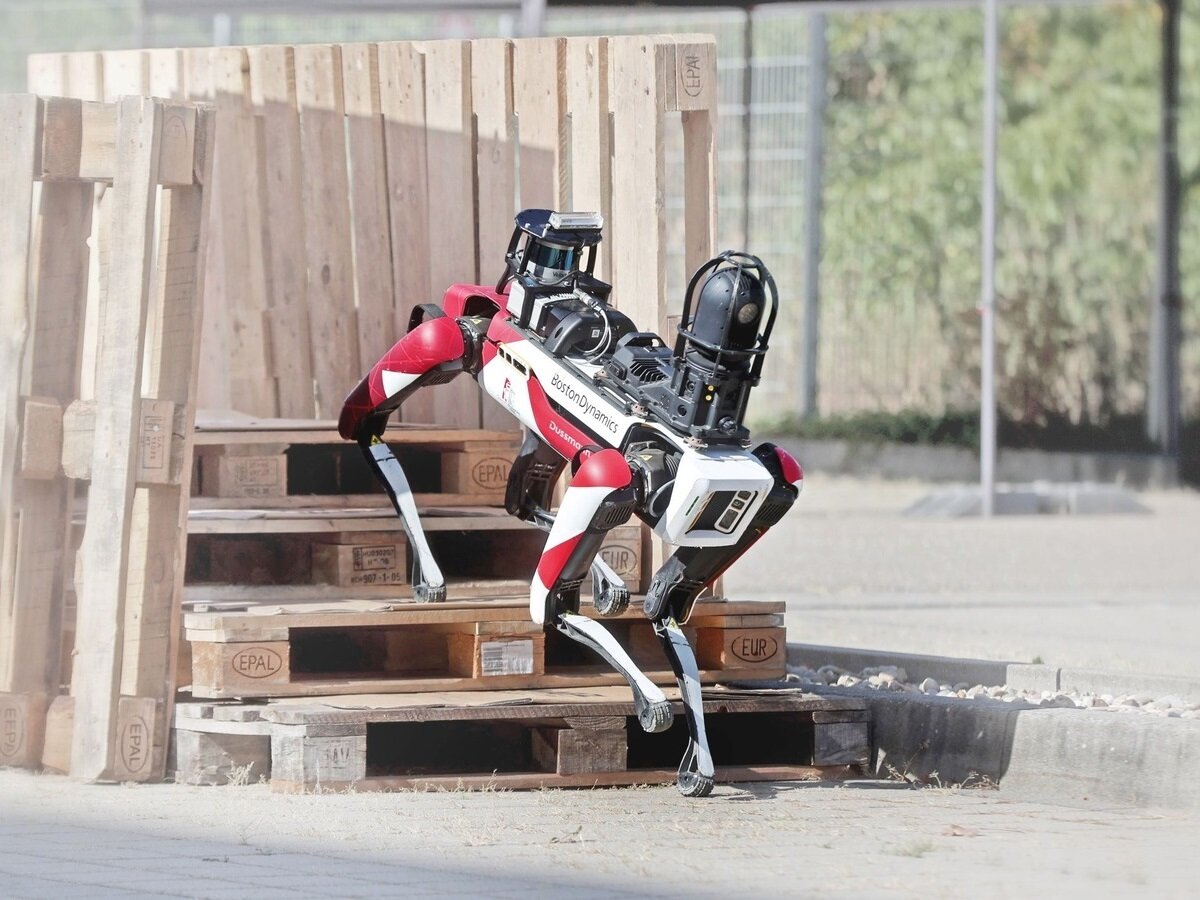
x=62, y=840
x=1112, y=592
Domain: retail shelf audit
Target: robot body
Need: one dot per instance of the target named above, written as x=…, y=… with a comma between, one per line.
x=647, y=431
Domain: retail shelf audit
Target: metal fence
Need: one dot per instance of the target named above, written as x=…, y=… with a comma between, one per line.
x=899, y=264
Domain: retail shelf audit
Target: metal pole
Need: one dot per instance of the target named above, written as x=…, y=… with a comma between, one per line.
x=533, y=18
x=1163, y=401
x=987, y=300
x=747, y=99
x=814, y=164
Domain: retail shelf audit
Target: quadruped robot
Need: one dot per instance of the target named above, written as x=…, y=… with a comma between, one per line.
x=647, y=429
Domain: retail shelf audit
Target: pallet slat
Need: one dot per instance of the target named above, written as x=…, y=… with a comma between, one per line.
x=105, y=549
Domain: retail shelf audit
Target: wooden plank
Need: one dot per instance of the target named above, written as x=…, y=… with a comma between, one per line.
x=551, y=781
x=79, y=138
x=41, y=439
x=330, y=282
x=273, y=89
x=157, y=532
x=739, y=648
x=22, y=729
x=495, y=176
x=402, y=102
x=495, y=162
x=126, y=73
x=368, y=202
x=481, y=472
x=588, y=162
x=166, y=73
x=18, y=152
x=689, y=67
x=538, y=100
x=46, y=74
x=575, y=751
x=235, y=283
x=362, y=564
x=216, y=678
x=60, y=276
x=85, y=75
x=449, y=148
x=251, y=625
x=105, y=549
x=696, y=96
x=637, y=236
x=85, y=81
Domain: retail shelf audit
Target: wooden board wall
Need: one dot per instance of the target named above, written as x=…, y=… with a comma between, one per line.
x=355, y=181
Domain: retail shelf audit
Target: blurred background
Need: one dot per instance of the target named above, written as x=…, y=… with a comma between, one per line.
x=851, y=136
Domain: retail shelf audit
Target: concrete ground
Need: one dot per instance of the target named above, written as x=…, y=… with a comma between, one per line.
x=1116, y=592
x=63, y=840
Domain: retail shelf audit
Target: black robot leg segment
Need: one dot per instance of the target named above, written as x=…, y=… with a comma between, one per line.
x=428, y=584
x=696, y=769
x=689, y=570
x=529, y=495
x=672, y=595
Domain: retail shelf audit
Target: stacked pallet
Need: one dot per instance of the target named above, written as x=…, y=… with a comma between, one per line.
x=350, y=182
x=130, y=179
x=304, y=598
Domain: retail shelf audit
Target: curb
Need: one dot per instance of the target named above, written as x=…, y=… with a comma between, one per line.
x=1024, y=676
x=1068, y=757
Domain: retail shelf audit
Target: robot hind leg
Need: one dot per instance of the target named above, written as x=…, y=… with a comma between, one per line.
x=673, y=593
x=528, y=497
x=600, y=498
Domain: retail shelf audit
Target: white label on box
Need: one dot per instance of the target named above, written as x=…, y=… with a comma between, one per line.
x=374, y=556
x=506, y=657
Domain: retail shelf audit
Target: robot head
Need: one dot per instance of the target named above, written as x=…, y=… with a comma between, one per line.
x=549, y=247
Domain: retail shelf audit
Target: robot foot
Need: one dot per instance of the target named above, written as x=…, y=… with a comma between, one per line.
x=691, y=781
x=654, y=717
x=426, y=593
x=610, y=596
x=612, y=601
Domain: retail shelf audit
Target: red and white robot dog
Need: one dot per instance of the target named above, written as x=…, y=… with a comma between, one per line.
x=648, y=430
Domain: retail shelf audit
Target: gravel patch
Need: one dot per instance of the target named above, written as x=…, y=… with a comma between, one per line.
x=894, y=678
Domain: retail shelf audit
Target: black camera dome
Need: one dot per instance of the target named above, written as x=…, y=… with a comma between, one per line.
x=728, y=311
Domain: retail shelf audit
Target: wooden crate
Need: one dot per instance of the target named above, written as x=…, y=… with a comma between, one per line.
x=577, y=738
x=98, y=373
x=345, y=172
x=407, y=647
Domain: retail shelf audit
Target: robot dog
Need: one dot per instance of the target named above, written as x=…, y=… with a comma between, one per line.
x=647, y=429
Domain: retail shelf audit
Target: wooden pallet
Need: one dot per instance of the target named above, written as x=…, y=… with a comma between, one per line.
x=98, y=372
x=355, y=647
x=247, y=463
x=316, y=553
x=512, y=740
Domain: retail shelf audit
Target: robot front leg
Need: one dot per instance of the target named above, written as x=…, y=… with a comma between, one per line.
x=600, y=498
x=432, y=352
